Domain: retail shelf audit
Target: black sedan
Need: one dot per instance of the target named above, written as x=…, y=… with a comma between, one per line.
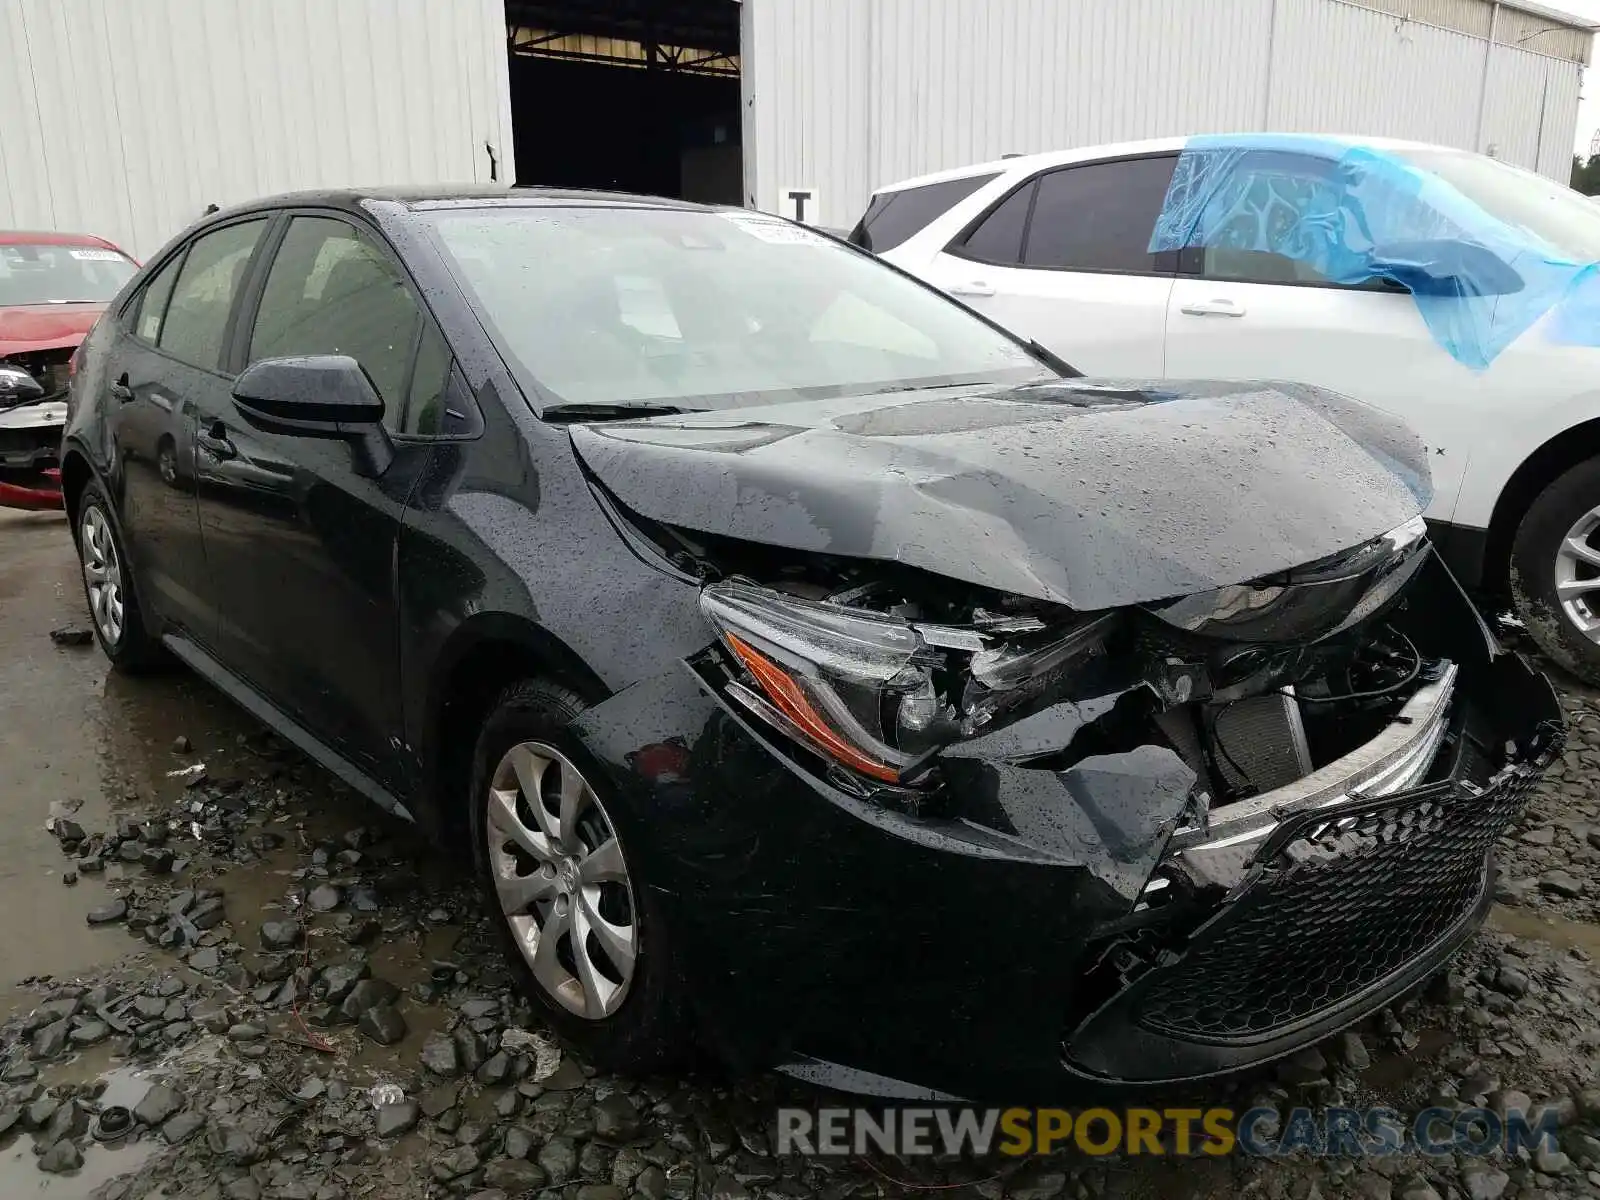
x=814, y=673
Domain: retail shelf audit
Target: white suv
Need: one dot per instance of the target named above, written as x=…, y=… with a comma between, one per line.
x=1498, y=370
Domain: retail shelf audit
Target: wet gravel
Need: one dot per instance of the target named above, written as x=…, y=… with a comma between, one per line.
x=310, y=1007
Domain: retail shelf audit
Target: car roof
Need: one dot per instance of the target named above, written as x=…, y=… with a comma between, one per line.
x=446, y=196
x=1028, y=163
x=52, y=237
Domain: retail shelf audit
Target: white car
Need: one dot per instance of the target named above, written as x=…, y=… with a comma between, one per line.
x=1448, y=288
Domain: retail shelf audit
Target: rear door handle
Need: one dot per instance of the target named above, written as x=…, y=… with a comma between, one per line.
x=973, y=287
x=121, y=390
x=1215, y=308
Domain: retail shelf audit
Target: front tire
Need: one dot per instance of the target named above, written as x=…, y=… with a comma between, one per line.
x=1555, y=570
x=579, y=923
x=119, y=623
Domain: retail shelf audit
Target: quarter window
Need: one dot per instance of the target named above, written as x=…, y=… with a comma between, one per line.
x=429, y=379
x=197, y=317
x=892, y=217
x=331, y=290
x=1099, y=217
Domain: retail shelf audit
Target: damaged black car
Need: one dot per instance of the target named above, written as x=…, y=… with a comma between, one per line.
x=815, y=675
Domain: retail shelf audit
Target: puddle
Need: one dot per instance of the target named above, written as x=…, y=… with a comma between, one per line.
x=74, y=736
x=19, y=1177
x=1550, y=929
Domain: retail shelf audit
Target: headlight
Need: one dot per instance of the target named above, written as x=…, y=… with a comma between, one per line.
x=17, y=386
x=871, y=691
x=856, y=686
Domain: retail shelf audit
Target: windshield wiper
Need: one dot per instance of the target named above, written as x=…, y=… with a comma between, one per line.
x=577, y=411
x=1054, y=361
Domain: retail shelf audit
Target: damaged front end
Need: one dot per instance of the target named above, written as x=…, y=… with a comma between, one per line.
x=1287, y=790
x=33, y=413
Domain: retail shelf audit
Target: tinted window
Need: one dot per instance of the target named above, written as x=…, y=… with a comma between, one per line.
x=1098, y=217
x=708, y=309
x=999, y=238
x=892, y=217
x=197, y=316
x=35, y=274
x=153, y=301
x=331, y=290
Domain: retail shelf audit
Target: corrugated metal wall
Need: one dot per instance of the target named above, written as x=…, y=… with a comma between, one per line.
x=846, y=95
x=127, y=119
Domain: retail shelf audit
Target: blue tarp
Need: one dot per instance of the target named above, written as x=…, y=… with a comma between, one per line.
x=1360, y=214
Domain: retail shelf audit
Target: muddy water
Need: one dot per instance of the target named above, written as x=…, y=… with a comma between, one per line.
x=73, y=736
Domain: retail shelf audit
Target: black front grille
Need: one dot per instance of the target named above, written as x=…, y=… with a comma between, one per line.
x=1338, y=903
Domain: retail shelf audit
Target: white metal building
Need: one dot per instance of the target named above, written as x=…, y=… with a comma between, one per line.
x=845, y=95
x=128, y=119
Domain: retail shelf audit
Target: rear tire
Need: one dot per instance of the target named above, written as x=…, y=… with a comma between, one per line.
x=108, y=587
x=628, y=1017
x=1555, y=570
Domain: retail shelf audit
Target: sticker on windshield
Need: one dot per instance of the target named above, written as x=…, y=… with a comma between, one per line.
x=776, y=231
x=96, y=255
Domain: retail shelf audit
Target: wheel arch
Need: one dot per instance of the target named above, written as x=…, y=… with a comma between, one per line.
x=76, y=472
x=1549, y=462
x=485, y=655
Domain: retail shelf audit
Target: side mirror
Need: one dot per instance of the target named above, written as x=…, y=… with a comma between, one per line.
x=319, y=396
x=1447, y=267
x=18, y=387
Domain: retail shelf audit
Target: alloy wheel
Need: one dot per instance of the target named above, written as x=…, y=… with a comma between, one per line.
x=1578, y=575
x=102, y=574
x=561, y=879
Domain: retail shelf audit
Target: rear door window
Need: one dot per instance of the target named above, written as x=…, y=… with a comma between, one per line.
x=1099, y=217
x=893, y=217
x=197, y=315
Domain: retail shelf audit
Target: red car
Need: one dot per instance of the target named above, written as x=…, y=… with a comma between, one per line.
x=53, y=287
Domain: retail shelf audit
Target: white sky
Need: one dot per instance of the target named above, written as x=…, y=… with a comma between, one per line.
x=1589, y=105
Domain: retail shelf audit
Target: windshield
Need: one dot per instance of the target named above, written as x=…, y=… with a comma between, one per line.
x=1565, y=220
x=61, y=274
x=697, y=309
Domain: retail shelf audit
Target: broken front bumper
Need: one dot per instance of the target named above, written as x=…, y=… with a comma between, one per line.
x=1020, y=952
x=30, y=448
x=1338, y=894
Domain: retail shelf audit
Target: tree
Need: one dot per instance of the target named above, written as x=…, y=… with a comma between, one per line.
x=1586, y=174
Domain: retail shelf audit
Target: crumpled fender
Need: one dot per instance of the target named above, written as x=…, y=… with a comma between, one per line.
x=784, y=893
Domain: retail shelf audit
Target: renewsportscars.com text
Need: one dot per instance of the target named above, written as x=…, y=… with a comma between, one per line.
x=1179, y=1132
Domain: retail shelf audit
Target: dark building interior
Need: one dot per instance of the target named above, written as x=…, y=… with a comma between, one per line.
x=632, y=95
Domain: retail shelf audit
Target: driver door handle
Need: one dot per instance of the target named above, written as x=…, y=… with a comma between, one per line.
x=120, y=389
x=1215, y=308
x=216, y=443
x=973, y=287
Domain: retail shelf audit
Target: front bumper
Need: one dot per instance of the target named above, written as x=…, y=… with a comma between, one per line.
x=1339, y=908
x=30, y=448
x=1019, y=955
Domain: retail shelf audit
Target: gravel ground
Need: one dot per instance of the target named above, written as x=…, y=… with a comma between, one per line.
x=290, y=998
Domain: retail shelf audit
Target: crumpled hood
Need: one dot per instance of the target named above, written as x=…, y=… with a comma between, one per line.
x=1090, y=493
x=25, y=327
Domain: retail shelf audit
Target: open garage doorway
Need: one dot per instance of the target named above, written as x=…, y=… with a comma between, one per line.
x=631, y=95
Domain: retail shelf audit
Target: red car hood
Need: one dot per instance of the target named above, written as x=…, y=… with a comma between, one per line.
x=25, y=327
